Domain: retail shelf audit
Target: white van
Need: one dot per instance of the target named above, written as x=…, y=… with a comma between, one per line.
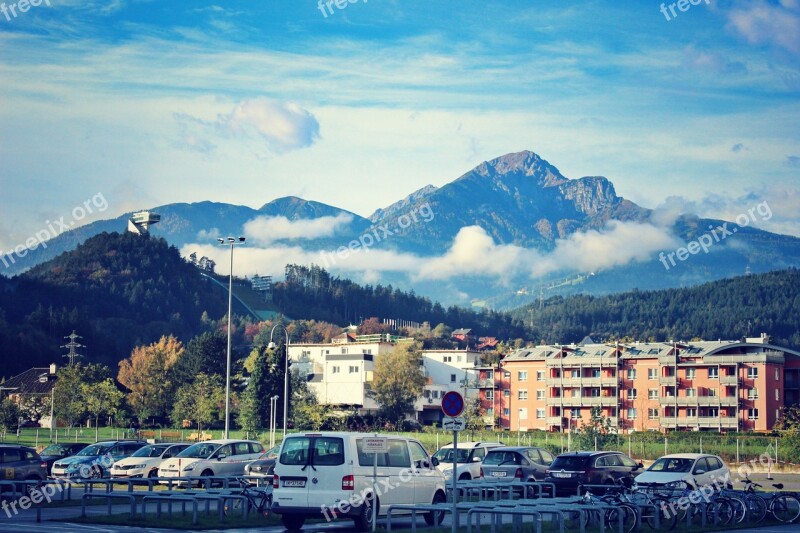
x=328, y=475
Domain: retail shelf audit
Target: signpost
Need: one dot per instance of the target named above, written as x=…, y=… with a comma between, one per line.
x=452, y=406
x=375, y=445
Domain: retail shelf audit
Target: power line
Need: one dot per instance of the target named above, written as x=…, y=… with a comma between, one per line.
x=72, y=345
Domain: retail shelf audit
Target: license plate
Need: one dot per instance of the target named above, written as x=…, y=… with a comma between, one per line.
x=561, y=475
x=294, y=483
x=498, y=474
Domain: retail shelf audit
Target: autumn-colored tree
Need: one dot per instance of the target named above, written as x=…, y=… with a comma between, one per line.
x=398, y=381
x=372, y=326
x=146, y=375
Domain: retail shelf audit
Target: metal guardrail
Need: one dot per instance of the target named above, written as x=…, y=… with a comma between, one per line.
x=109, y=496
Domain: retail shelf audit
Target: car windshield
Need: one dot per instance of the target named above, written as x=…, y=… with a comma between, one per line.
x=93, y=450
x=54, y=449
x=574, y=463
x=445, y=455
x=149, y=451
x=201, y=450
x=671, y=464
x=501, y=458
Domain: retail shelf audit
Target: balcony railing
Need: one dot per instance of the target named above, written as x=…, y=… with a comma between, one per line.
x=728, y=380
x=554, y=420
x=708, y=422
x=668, y=380
x=485, y=384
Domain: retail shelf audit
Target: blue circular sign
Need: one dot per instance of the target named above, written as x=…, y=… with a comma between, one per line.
x=452, y=403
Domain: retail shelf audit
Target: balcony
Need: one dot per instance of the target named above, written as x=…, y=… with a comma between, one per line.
x=485, y=384
x=728, y=380
x=555, y=421
x=668, y=380
x=725, y=422
x=609, y=382
x=669, y=422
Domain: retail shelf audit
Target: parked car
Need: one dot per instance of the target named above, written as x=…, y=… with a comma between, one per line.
x=329, y=475
x=21, y=463
x=523, y=463
x=569, y=470
x=145, y=461
x=264, y=465
x=223, y=457
x=469, y=456
x=682, y=470
x=95, y=460
x=54, y=452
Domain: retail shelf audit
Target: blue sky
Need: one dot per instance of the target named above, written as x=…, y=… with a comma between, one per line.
x=158, y=102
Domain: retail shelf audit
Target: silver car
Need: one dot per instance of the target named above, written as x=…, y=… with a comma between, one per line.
x=516, y=463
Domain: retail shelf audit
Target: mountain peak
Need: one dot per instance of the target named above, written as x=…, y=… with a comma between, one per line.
x=525, y=163
x=402, y=205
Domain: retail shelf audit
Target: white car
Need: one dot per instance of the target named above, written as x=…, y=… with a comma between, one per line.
x=329, y=475
x=682, y=470
x=212, y=458
x=145, y=461
x=470, y=457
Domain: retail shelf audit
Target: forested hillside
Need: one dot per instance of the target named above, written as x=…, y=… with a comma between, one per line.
x=116, y=290
x=725, y=309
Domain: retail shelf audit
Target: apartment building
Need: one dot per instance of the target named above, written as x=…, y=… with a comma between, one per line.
x=704, y=385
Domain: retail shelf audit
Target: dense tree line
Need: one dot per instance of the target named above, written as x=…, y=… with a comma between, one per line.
x=726, y=309
x=311, y=292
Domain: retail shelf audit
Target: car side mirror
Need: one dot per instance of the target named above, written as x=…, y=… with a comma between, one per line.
x=221, y=456
x=476, y=459
x=699, y=472
x=434, y=461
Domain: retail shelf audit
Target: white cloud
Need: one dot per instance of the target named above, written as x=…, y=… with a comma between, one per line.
x=267, y=229
x=285, y=126
x=761, y=22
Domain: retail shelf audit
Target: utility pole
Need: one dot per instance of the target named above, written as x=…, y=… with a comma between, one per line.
x=72, y=345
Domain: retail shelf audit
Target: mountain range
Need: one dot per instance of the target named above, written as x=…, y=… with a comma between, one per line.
x=527, y=230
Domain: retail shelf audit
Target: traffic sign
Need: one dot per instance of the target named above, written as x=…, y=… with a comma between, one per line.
x=452, y=403
x=454, y=424
x=375, y=445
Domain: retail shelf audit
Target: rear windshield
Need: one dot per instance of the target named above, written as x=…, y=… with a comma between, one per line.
x=502, y=458
x=313, y=451
x=570, y=463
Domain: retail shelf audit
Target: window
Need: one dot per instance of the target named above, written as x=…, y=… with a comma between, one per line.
x=652, y=373
x=522, y=395
x=777, y=395
x=490, y=394
x=507, y=374
x=691, y=373
x=574, y=413
x=447, y=359
x=752, y=394
x=631, y=394
x=752, y=373
x=540, y=375
x=631, y=373
x=712, y=392
x=752, y=414
x=594, y=392
x=631, y=413
x=418, y=454
x=522, y=375
x=540, y=413
x=712, y=412
x=713, y=373
x=652, y=413
x=452, y=378
x=576, y=393
x=691, y=393
x=335, y=370
x=344, y=350
x=353, y=369
x=777, y=374
x=458, y=359
x=506, y=411
x=576, y=374
x=490, y=411
x=652, y=394
x=691, y=412
x=594, y=373
x=507, y=393
x=540, y=394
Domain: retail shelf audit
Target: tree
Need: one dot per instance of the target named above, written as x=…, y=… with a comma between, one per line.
x=101, y=398
x=9, y=415
x=266, y=381
x=205, y=354
x=307, y=412
x=34, y=406
x=69, y=403
x=202, y=401
x=598, y=429
x=146, y=375
x=398, y=381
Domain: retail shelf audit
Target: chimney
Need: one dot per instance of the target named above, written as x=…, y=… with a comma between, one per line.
x=52, y=368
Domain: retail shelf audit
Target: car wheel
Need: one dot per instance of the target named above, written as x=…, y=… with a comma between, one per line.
x=435, y=518
x=363, y=521
x=153, y=473
x=464, y=477
x=30, y=488
x=206, y=473
x=293, y=522
x=96, y=472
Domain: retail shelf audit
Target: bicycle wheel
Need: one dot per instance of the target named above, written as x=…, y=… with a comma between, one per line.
x=785, y=508
x=668, y=514
x=756, y=508
x=720, y=512
x=628, y=513
x=739, y=508
x=233, y=507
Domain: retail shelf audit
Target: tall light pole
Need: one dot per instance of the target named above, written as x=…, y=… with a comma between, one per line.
x=271, y=346
x=230, y=241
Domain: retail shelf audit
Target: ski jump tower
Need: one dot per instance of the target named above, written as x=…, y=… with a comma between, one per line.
x=140, y=222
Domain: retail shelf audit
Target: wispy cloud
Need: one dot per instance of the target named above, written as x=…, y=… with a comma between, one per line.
x=267, y=229
x=768, y=22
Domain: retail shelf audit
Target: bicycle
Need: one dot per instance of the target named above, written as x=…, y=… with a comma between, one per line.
x=783, y=507
x=259, y=499
x=656, y=510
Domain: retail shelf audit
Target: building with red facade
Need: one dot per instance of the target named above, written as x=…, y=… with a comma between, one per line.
x=693, y=386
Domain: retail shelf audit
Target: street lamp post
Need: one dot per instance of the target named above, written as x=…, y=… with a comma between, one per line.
x=230, y=241
x=271, y=346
